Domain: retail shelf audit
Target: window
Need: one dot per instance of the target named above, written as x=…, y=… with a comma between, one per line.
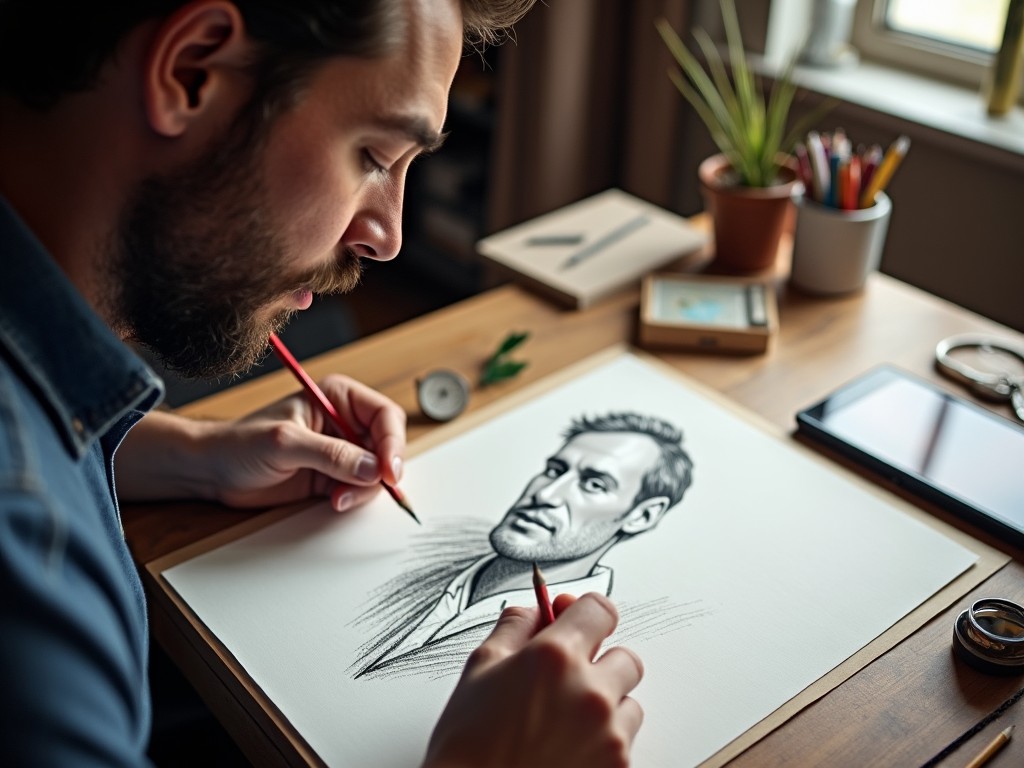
x=953, y=39
x=973, y=24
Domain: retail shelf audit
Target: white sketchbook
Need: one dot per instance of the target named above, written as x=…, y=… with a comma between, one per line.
x=769, y=572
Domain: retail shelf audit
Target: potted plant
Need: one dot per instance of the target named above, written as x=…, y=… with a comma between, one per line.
x=748, y=187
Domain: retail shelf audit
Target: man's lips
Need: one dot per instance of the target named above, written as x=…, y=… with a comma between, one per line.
x=533, y=517
x=302, y=298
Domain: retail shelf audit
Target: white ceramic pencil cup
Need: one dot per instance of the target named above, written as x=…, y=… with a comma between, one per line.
x=835, y=250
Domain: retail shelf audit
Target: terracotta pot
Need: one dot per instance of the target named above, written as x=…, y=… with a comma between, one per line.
x=748, y=221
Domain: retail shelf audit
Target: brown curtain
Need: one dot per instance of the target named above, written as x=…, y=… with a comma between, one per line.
x=584, y=104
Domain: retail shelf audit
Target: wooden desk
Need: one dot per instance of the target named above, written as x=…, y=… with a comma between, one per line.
x=899, y=710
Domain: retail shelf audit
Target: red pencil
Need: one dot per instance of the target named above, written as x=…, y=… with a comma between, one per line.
x=317, y=394
x=851, y=195
x=540, y=587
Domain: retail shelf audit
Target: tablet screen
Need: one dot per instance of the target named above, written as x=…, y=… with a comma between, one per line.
x=953, y=445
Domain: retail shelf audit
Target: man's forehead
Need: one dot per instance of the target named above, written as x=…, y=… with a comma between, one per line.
x=612, y=447
x=406, y=87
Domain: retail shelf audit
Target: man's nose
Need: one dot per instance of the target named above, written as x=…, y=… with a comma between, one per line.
x=375, y=231
x=553, y=491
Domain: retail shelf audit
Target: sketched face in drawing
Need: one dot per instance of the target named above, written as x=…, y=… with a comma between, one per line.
x=614, y=476
x=585, y=499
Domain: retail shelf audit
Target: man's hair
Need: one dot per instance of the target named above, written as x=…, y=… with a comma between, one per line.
x=48, y=49
x=674, y=472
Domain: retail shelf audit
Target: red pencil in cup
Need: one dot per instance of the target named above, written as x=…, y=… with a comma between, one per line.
x=317, y=394
x=540, y=587
x=851, y=192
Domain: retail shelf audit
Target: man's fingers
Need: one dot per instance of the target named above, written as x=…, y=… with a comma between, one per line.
x=389, y=451
x=338, y=459
x=586, y=623
x=512, y=631
x=345, y=497
x=620, y=671
x=373, y=415
x=630, y=716
x=561, y=602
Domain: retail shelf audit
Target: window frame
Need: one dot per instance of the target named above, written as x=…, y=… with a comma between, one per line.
x=947, y=61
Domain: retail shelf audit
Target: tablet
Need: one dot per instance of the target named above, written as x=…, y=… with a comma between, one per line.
x=937, y=445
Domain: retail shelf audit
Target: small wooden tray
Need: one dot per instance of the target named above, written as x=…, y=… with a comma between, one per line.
x=708, y=312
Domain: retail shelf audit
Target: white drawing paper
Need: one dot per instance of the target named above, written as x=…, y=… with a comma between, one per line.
x=768, y=572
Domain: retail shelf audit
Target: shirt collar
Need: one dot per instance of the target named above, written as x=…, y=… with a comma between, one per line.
x=453, y=613
x=86, y=376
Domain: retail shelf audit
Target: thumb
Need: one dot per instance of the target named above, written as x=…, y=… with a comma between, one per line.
x=335, y=458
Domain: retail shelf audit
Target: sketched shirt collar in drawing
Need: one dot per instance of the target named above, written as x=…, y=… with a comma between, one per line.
x=452, y=612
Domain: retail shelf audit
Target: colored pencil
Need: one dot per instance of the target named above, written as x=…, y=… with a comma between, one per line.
x=851, y=191
x=540, y=588
x=883, y=173
x=318, y=395
x=994, y=746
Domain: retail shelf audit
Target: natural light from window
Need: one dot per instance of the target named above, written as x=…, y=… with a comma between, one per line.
x=976, y=24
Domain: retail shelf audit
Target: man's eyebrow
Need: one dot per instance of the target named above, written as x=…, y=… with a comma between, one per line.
x=415, y=129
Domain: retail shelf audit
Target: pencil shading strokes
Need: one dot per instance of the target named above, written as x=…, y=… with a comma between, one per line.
x=397, y=607
x=398, y=604
x=614, y=477
x=654, y=618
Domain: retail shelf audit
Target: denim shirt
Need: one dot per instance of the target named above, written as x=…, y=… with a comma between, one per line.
x=73, y=633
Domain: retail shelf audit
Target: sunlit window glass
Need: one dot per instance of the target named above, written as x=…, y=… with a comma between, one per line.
x=976, y=24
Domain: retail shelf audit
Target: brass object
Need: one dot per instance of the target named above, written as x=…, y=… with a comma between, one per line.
x=1004, y=86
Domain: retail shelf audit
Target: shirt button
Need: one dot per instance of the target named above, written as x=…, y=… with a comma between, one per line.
x=77, y=425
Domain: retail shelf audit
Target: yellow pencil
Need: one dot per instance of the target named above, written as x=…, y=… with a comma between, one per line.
x=880, y=178
x=986, y=754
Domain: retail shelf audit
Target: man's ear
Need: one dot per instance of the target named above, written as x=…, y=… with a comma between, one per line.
x=645, y=515
x=193, y=63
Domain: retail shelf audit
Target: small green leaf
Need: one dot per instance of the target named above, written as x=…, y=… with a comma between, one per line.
x=499, y=371
x=511, y=341
x=498, y=367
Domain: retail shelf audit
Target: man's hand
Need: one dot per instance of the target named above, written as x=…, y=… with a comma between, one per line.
x=541, y=700
x=285, y=452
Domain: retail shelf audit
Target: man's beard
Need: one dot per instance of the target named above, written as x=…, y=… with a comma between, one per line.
x=197, y=264
x=552, y=546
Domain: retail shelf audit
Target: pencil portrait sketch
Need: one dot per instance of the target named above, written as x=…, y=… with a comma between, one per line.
x=614, y=477
x=369, y=617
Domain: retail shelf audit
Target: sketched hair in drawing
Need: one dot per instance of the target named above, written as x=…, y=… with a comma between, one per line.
x=671, y=476
x=614, y=476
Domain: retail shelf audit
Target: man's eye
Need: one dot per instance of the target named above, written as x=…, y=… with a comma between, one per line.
x=594, y=485
x=551, y=472
x=370, y=162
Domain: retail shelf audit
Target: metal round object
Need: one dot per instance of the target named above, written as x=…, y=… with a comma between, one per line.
x=443, y=394
x=996, y=384
x=990, y=636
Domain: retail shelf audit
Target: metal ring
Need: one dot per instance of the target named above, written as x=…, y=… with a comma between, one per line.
x=990, y=636
x=994, y=385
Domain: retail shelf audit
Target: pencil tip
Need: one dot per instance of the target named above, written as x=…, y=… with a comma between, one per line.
x=538, y=577
x=402, y=503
